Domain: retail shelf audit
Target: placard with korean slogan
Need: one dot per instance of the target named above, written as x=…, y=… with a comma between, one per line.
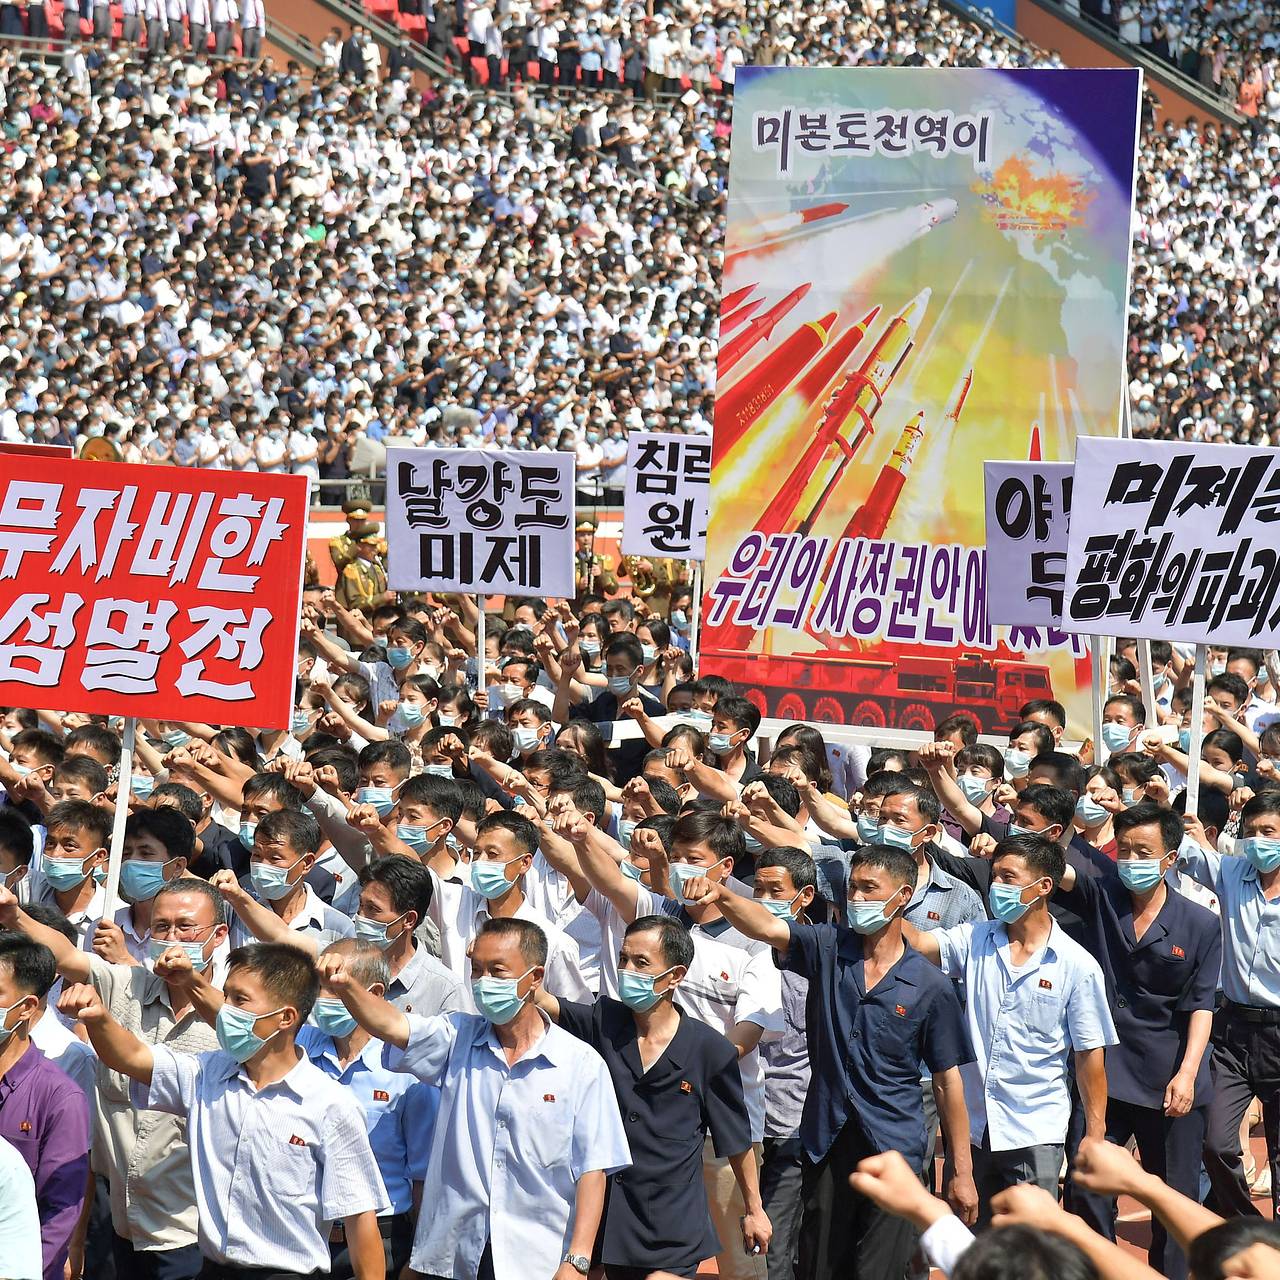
x=150, y=591
x=925, y=268
x=1173, y=540
x=490, y=521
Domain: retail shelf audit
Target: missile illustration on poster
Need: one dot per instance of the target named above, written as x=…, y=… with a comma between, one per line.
x=918, y=265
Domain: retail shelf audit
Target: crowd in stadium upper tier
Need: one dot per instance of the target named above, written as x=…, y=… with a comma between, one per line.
x=243, y=267
x=1229, y=48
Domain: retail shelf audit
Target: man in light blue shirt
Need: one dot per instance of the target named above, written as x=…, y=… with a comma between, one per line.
x=1035, y=996
x=528, y=1130
x=1246, y=1032
x=400, y=1111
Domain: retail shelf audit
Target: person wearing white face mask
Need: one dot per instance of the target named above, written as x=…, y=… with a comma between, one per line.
x=143, y=1152
x=530, y=725
x=520, y=680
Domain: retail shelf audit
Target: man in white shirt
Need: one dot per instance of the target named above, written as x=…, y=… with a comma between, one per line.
x=528, y=1130
x=198, y=22
x=253, y=26
x=225, y=14
x=504, y=849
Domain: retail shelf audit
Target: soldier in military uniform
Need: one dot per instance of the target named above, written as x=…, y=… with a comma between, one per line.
x=593, y=574
x=363, y=582
x=342, y=549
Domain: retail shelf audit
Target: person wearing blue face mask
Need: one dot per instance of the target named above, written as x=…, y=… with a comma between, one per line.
x=239, y=1120
x=1161, y=955
x=75, y=849
x=399, y=1111
x=411, y=719
x=405, y=641
x=623, y=659
x=678, y=1083
x=979, y=773
x=1123, y=718
x=1246, y=1040
x=520, y=1087
x=187, y=927
x=880, y=1011
x=911, y=821
x=1037, y=1003
x=383, y=772
x=494, y=888
x=284, y=851
x=158, y=848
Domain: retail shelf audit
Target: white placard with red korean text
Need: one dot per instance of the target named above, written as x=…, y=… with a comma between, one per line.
x=487, y=521
x=150, y=591
x=1178, y=541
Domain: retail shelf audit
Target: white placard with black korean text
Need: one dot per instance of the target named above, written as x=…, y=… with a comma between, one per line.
x=667, y=490
x=495, y=522
x=1028, y=505
x=1175, y=541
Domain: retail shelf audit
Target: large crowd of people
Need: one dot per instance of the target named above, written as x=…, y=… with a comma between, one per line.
x=551, y=961
x=546, y=960
x=222, y=265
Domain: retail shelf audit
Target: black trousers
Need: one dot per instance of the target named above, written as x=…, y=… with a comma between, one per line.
x=1245, y=1065
x=843, y=1236
x=781, y=1183
x=221, y=1271
x=1170, y=1148
x=397, y=1245
x=183, y=1263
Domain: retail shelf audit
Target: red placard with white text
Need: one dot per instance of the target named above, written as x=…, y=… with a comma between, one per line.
x=150, y=591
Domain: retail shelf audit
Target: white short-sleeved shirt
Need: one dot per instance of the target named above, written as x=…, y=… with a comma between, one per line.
x=1023, y=1023
x=727, y=985
x=272, y=1166
x=459, y=912
x=315, y=917
x=510, y=1144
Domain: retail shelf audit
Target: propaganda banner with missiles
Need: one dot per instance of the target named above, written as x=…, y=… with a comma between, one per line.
x=925, y=268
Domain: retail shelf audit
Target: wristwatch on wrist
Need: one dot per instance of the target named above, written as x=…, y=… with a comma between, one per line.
x=580, y=1264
